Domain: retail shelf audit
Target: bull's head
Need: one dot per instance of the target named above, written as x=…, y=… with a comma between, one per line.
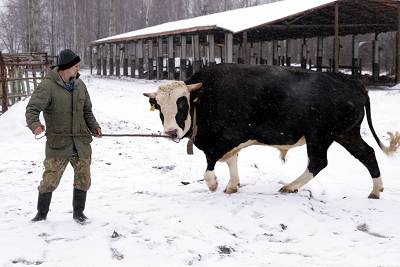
x=172, y=100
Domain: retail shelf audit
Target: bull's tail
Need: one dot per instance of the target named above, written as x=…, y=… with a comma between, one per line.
x=394, y=137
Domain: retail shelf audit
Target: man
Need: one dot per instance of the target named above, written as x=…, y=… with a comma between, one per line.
x=69, y=120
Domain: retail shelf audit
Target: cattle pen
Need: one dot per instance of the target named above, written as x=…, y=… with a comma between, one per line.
x=20, y=74
x=279, y=33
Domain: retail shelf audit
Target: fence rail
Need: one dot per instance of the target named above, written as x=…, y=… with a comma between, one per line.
x=20, y=74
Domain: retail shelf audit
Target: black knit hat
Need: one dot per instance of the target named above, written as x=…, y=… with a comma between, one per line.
x=66, y=59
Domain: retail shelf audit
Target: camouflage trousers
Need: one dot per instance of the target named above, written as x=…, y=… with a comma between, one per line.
x=55, y=167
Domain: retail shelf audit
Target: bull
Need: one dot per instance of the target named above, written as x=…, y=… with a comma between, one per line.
x=225, y=108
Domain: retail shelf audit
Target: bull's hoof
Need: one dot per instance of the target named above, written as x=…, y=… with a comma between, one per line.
x=230, y=190
x=213, y=187
x=287, y=189
x=373, y=196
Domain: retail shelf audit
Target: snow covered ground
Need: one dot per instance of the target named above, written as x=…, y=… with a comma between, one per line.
x=149, y=207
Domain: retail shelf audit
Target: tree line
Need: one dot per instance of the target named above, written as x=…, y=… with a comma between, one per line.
x=51, y=25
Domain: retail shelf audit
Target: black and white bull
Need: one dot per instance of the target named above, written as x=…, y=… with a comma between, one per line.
x=228, y=107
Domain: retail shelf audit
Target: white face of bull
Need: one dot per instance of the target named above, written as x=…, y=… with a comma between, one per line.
x=173, y=102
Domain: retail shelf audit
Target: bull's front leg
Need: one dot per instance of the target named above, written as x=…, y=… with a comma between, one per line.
x=209, y=175
x=234, y=181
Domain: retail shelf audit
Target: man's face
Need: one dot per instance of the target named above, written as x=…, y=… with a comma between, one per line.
x=73, y=71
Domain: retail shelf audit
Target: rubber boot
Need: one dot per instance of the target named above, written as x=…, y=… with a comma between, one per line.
x=43, y=204
x=78, y=203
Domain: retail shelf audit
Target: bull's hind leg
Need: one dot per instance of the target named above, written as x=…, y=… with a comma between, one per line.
x=317, y=149
x=354, y=143
x=234, y=182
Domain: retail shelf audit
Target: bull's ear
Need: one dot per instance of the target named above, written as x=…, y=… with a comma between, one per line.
x=150, y=95
x=194, y=87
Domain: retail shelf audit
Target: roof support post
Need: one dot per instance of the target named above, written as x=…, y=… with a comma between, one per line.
x=171, y=58
x=245, y=49
x=211, y=49
x=354, y=56
x=139, y=53
x=150, y=74
x=111, y=59
x=288, y=58
x=91, y=59
x=183, y=63
x=160, y=59
x=261, y=61
x=375, y=59
x=320, y=52
x=228, y=47
x=337, y=43
x=117, y=60
x=275, y=52
x=133, y=60
x=304, y=54
x=98, y=59
x=126, y=61
x=196, y=53
x=104, y=55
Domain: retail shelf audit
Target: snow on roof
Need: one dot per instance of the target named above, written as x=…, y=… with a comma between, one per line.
x=236, y=20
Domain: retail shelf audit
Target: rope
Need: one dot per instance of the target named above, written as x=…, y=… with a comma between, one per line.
x=106, y=135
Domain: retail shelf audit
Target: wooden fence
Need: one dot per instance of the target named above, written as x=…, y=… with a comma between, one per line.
x=20, y=74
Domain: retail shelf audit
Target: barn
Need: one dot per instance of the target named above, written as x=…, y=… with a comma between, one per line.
x=263, y=34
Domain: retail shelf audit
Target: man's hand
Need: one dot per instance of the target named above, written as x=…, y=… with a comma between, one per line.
x=97, y=133
x=39, y=130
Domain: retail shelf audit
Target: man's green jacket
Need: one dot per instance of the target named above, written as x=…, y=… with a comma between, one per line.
x=65, y=113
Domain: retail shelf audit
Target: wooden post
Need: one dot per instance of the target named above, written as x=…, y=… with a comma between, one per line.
x=354, y=55
x=245, y=49
x=228, y=47
x=104, y=55
x=288, y=57
x=275, y=52
x=183, y=67
x=252, y=56
x=117, y=60
x=261, y=53
x=320, y=51
x=196, y=53
x=304, y=54
x=211, y=49
x=111, y=59
x=375, y=59
x=160, y=59
x=140, y=61
x=337, y=43
x=150, y=75
x=126, y=61
x=28, y=87
x=133, y=59
x=98, y=60
x=171, y=58
x=3, y=78
x=91, y=59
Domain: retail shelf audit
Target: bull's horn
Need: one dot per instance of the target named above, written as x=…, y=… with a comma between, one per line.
x=194, y=87
x=150, y=95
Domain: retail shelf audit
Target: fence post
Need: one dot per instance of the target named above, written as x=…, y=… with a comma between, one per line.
x=3, y=78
